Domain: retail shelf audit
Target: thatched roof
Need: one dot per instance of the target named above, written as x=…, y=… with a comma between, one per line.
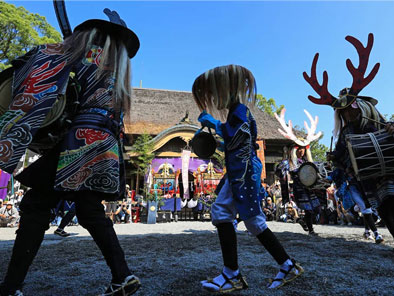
x=154, y=110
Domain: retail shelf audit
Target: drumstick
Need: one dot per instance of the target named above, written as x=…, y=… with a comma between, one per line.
x=372, y=120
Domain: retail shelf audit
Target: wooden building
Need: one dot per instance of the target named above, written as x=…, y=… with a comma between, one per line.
x=171, y=118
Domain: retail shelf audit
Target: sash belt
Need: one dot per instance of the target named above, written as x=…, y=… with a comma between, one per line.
x=97, y=120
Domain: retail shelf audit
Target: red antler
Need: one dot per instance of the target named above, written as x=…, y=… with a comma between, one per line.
x=325, y=97
x=359, y=82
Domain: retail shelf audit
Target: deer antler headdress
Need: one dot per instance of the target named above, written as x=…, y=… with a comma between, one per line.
x=348, y=95
x=288, y=133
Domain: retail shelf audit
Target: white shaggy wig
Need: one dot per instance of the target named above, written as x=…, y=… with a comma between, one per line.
x=222, y=87
x=367, y=110
x=114, y=61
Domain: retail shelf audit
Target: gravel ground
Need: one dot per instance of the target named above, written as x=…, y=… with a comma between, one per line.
x=171, y=259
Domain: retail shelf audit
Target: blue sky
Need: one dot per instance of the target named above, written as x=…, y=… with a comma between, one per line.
x=276, y=40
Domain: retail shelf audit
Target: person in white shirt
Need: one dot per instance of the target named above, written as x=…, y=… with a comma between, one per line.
x=8, y=215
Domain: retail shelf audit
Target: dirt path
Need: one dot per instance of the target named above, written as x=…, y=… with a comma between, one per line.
x=171, y=259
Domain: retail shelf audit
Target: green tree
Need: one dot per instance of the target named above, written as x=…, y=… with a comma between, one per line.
x=143, y=155
x=268, y=105
x=20, y=31
x=389, y=117
x=318, y=151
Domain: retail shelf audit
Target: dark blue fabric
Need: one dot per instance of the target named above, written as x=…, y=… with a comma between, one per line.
x=243, y=166
x=306, y=199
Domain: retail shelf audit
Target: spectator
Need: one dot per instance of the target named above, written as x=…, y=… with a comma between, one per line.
x=9, y=216
x=280, y=208
x=128, y=191
x=332, y=206
x=291, y=214
x=19, y=196
x=276, y=192
x=269, y=209
x=123, y=213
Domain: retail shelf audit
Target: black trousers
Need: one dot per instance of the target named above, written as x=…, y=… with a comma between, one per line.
x=35, y=217
x=386, y=212
x=309, y=220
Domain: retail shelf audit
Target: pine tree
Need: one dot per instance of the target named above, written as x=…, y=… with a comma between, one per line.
x=143, y=150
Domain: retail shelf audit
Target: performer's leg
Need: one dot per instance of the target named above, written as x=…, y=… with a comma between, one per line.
x=309, y=220
x=367, y=233
x=65, y=221
x=386, y=212
x=223, y=213
x=371, y=224
x=228, y=244
x=35, y=214
x=367, y=212
x=258, y=227
x=91, y=215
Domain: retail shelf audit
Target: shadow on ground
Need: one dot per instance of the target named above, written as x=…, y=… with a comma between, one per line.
x=173, y=264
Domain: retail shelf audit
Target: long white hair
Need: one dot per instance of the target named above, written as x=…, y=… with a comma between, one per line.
x=114, y=61
x=367, y=110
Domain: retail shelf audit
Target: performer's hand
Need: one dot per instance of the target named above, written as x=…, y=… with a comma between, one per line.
x=197, y=132
x=209, y=121
x=390, y=128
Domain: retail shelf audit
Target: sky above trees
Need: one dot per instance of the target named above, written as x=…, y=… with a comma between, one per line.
x=276, y=40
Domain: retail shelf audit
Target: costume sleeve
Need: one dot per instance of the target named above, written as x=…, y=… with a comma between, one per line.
x=207, y=120
x=240, y=139
x=238, y=131
x=20, y=61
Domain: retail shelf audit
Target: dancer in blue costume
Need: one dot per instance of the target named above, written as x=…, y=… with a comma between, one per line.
x=227, y=90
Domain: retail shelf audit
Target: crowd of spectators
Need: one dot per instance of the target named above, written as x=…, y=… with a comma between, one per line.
x=128, y=210
x=331, y=212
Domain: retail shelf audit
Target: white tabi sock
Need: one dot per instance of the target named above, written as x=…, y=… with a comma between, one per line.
x=220, y=280
x=285, y=266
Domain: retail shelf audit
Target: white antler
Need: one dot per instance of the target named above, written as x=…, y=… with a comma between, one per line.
x=311, y=136
x=287, y=131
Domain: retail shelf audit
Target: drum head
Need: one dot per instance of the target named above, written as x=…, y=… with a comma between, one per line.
x=308, y=173
x=203, y=144
x=6, y=78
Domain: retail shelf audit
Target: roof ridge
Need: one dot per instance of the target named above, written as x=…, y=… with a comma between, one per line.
x=168, y=90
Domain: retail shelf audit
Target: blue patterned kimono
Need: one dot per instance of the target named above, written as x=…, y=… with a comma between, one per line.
x=243, y=166
x=89, y=156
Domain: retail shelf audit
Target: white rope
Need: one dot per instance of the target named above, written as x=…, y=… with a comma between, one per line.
x=379, y=153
